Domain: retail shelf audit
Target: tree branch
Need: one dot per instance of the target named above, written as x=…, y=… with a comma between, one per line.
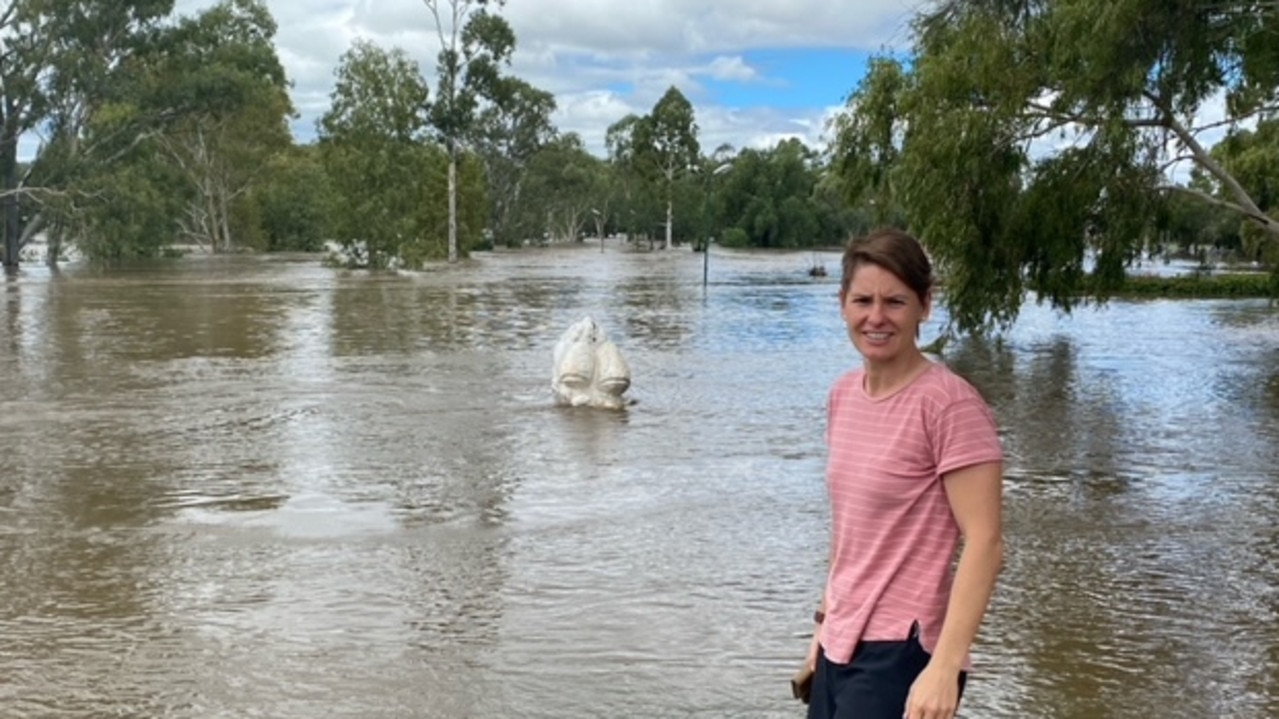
x=1175, y=160
x=1256, y=216
x=1243, y=201
x=1064, y=118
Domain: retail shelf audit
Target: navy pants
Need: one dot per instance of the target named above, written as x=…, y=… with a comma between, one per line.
x=874, y=684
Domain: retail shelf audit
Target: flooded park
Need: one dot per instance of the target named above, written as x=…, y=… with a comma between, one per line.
x=255, y=486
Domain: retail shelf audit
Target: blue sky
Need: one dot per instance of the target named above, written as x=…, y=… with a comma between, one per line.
x=793, y=79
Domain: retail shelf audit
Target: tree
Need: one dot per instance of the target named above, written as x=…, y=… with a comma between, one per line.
x=636, y=208
x=24, y=60
x=56, y=62
x=194, y=107
x=507, y=135
x=663, y=145
x=771, y=196
x=373, y=141
x=1029, y=142
x=564, y=182
x=472, y=50
x=222, y=67
x=1252, y=157
x=297, y=201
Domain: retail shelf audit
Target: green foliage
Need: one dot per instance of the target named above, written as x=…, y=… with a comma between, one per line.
x=373, y=150
x=127, y=211
x=57, y=67
x=639, y=207
x=658, y=149
x=388, y=179
x=468, y=64
x=379, y=95
x=735, y=237
x=1252, y=157
x=508, y=134
x=1027, y=142
x=563, y=185
x=216, y=64
x=297, y=202
x=772, y=196
x=157, y=131
x=1185, y=224
x=472, y=207
x=1198, y=286
x=221, y=68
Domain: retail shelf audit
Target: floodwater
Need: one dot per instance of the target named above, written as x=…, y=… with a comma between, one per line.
x=257, y=487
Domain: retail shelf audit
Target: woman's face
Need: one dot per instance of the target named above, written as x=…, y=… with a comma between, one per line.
x=883, y=314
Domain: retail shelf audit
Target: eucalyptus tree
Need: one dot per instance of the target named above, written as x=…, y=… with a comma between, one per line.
x=1031, y=142
x=26, y=46
x=564, y=184
x=222, y=68
x=297, y=200
x=770, y=196
x=508, y=133
x=1252, y=157
x=474, y=44
x=637, y=204
x=605, y=197
x=661, y=146
x=374, y=144
x=57, y=58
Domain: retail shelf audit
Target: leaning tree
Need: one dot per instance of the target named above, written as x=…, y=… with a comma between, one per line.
x=1033, y=144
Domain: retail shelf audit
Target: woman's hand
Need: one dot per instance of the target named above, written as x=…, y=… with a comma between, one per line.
x=934, y=695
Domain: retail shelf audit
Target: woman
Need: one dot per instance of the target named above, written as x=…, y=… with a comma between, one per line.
x=914, y=465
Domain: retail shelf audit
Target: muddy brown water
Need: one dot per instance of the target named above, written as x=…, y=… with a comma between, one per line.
x=257, y=487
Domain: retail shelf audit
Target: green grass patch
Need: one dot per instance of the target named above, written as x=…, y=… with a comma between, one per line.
x=1199, y=286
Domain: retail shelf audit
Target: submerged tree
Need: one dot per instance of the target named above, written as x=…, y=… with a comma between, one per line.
x=565, y=183
x=1031, y=143
x=372, y=141
x=508, y=134
x=222, y=68
x=58, y=62
x=660, y=147
x=475, y=43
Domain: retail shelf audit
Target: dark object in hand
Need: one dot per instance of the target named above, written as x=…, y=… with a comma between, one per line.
x=801, y=685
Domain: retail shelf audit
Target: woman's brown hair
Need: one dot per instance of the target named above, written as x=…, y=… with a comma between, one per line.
x=894, y=250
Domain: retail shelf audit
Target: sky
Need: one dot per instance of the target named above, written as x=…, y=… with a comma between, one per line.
x=755, y=71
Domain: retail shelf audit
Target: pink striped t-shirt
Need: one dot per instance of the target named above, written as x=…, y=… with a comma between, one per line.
x=893, y=534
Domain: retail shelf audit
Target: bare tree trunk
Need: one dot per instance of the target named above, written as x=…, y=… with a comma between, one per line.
x=210, y=218
x=670, y=221
x=452, y=202
x=224, y=202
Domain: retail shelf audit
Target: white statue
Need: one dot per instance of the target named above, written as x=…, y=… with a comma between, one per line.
x=589, y=369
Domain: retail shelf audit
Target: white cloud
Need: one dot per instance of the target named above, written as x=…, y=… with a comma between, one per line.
x=731, y=68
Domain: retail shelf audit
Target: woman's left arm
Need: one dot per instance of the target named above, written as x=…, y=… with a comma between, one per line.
x=975, y=494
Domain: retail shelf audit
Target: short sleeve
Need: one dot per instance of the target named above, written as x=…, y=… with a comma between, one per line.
x=964, y=434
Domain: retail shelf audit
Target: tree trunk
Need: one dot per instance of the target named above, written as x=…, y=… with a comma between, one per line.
x=224, y=204
x=12, y=223
x=670, y=221
x=53, y=247
x=452, y=202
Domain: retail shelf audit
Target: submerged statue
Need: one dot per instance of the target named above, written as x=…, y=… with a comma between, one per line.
x=589, y=369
